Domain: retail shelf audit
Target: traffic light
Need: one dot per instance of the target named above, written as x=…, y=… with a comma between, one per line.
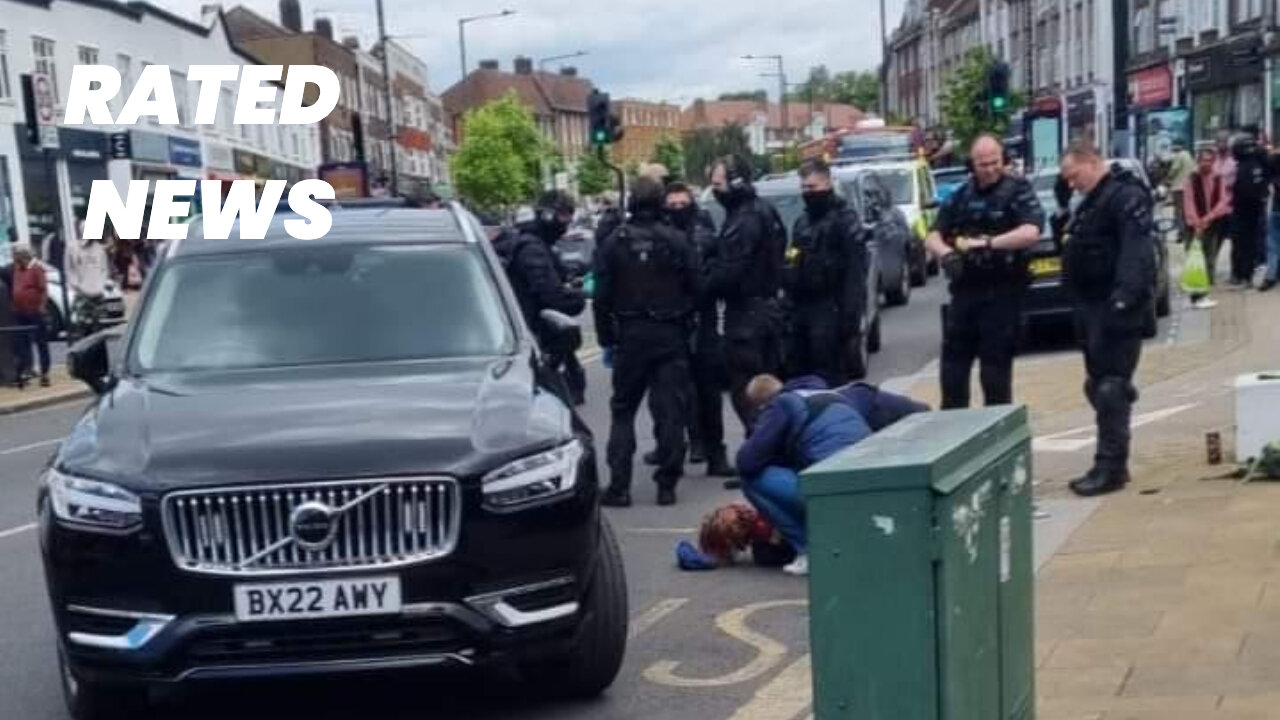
x=604, y=127
x=998, y=87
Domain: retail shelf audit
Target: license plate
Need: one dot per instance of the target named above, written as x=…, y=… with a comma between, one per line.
x=317, y=599
x=1046, y=266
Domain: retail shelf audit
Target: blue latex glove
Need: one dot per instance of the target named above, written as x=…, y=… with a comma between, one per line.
x=607, y=359
x=688, y=558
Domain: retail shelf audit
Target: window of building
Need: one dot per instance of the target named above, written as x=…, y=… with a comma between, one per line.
x=227, y=112
x=181, y=94
x=124, y=65
x=46, y=60
x=86, y=55
x=6, y=90
x=1243, y=11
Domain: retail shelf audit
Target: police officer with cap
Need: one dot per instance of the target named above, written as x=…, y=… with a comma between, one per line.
x=825, y=280
x=746, y=275
x=647, y=286
x=1110, y=269
x=980, y=237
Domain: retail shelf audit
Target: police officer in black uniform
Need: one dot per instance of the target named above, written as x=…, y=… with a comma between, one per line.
x=540, y=283
x=746, y=274
x=825, y=280
x=981, y=236
x=706, y=429
x=647, y=286
x=1110, y=269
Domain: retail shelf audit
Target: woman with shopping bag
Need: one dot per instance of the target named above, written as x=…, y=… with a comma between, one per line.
x=1207, y=207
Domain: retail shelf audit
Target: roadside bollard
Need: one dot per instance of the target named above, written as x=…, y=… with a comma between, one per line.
x=920, y=589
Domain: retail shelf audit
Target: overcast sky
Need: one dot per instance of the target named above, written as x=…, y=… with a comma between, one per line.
x=673, y=50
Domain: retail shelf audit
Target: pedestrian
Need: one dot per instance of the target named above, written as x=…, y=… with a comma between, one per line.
x=539, y=283
x=1248, y=207
x=825, y=279
x=1207, y=209
x=706, y=427
x=30, y=294
x=981, y=237
x=1110, y=269
x=647, y=287
x=1272, y=275
x=1181, y=167
x=746, y=275
x=799, y=424
x=121, y=254
x=88, y=272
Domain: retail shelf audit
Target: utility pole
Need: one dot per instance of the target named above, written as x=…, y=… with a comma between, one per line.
x=884, y=63
x=462, y=48
x=386, y=79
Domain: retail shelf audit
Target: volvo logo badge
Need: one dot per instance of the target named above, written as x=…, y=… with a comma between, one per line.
x=314, y=525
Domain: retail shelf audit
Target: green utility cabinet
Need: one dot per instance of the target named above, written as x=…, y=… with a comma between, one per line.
x=921, y=571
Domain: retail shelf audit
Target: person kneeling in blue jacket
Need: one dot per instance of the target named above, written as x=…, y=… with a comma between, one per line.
x=799, y=424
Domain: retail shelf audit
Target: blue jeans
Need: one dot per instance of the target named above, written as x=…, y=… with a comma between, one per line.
x=35, y=335
x=1273, y=247
x=775, y=494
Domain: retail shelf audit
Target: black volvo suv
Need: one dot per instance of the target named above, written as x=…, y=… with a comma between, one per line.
x=343, y=454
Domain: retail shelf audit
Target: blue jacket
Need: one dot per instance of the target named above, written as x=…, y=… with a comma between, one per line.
x=879, y=407
x=784, y=436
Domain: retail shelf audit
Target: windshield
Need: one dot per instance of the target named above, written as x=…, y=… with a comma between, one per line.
x=789, y=206
x=860, y=146
x=900, y=184
x=319, y=306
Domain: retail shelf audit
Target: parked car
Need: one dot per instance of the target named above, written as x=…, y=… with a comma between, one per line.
x=910, y=188
x=321, y=457
x=898, y=260
x=782, y=191
x=946, y=181
x=1047, y=299
x=113, y=310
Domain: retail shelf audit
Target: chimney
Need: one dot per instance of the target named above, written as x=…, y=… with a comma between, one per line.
x=489, y=65
x=209, y=13
x=324, y=28
x=524, y=66
x=351, y=42
x=569, y=71
x=291, y=15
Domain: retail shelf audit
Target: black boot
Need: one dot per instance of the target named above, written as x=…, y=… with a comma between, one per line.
x=733, y=484
x=697, y=455
x=666, y=496
x=1100, y=482
x=616, y=498
x=718, y=466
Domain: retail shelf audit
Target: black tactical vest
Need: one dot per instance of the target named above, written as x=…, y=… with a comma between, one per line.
x=990, y=213
x=648, y=275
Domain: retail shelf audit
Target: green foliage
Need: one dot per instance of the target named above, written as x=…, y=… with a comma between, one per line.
x=757, y=95
x=704, y=147
x=594, y=176
x=852, y=87
x=669, y=153
x=786, y=161
x=964, y=107
x=499, y=163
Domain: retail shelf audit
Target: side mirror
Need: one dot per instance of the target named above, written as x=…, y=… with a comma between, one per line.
x=566, y=331
x=932, y=203
x=89, y=362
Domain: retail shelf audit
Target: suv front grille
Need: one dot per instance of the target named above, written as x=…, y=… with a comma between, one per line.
x=278, y=529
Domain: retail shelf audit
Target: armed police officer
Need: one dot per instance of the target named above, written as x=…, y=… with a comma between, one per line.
x=980, y=237
x=647, y=286
x=825, y=281
x=1110, y=269
x=746, y=275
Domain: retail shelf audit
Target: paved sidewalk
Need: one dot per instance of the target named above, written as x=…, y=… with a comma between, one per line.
x=1166, y=602
x=63, y=388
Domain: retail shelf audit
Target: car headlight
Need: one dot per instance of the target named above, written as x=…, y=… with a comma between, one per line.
x=93, y=504
x=537, y=477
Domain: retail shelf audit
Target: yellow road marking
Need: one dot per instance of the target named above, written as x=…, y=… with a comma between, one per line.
x=654, y=615
x=786, y=697
x=769, y=652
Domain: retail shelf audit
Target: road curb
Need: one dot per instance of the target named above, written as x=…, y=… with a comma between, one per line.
x=44, y=402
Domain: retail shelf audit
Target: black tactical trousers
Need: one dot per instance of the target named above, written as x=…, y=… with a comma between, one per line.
x=1112, y=347
x=562, y=353
x=707, y=394
x=980, y=324
x=813, y=344
x=652, y=357
x=753, y=346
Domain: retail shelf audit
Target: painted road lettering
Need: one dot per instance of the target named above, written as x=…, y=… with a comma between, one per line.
x=769, y=652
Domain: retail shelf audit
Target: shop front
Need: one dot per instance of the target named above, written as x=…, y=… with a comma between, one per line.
x=150, y=156
x=1225, y=83
x=86, y=153
x=1159, y=122
x=1044, y=128
x=1082, y=117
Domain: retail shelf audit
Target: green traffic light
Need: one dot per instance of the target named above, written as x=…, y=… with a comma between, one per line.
x=999, y=103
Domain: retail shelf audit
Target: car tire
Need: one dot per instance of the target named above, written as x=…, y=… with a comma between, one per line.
x=933, y=268
x=920, y=273
x=595, y=660
x=53, y=325
x=873, y=336
x=97, y=701
x=900, y=293
x=856, y=362
x=1151, y=325
x=1164, y=303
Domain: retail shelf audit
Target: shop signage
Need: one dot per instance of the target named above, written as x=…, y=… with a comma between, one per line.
x=150, y=147
x=83, y=145
x=1235, y=63
x=184, y=152
x=45, y=112
x=1082, y=108
x=121, y=147
x=247, y=163
x=1151, y=88
x=219, y=157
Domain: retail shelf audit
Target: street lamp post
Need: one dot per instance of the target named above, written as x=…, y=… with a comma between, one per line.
x=462, y=33
x=542, y=63
x=782, y=87
x=386, y=83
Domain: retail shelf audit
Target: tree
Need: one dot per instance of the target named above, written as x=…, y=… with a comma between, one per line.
x=499, y=163
x=756, y=95
x=964, y=104
x=704, y=147
x=851, y=87
x=668, y=153
x=594, y=176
